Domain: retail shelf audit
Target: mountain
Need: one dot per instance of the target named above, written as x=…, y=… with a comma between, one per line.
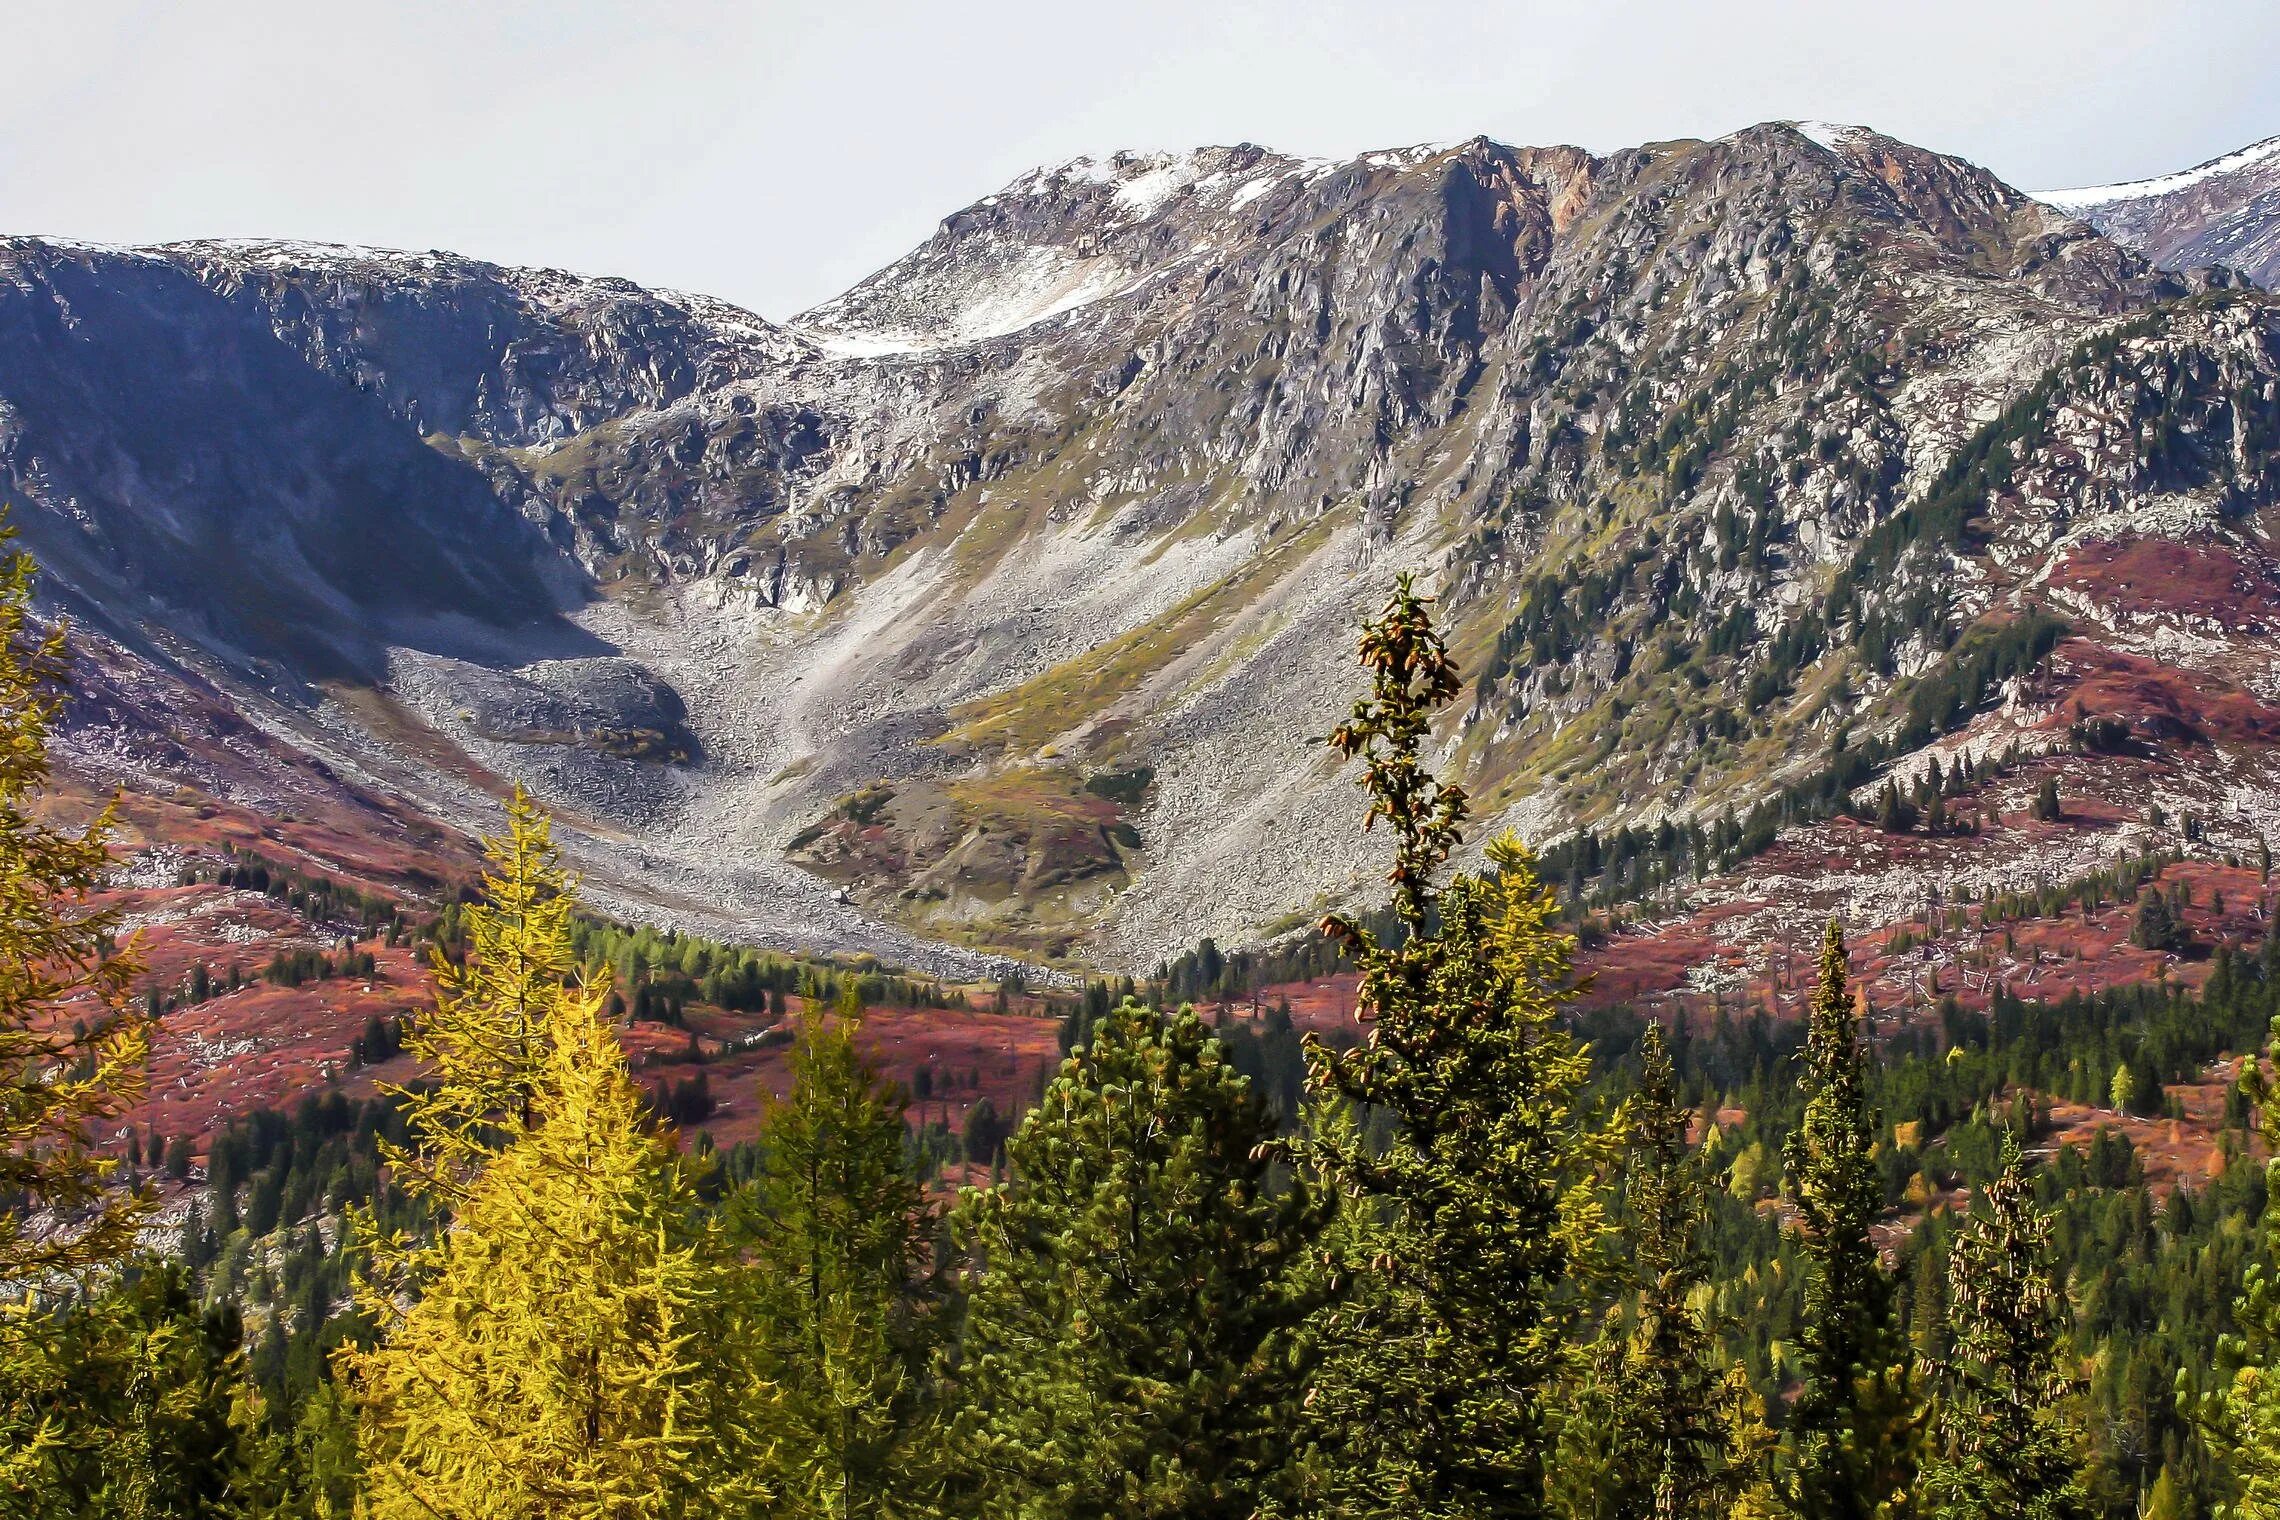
x=2226, y=211
x=996, y=606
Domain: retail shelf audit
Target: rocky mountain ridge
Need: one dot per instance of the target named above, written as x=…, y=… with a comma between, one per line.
x=996, y=602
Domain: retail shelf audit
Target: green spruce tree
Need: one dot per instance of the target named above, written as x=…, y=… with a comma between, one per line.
x=1672, y=1397
x=1671, y=1354
x=2156, y=927
x=2003, y=1447
x=1477, y=1210
x=1852, y=1430
x=1654, y=1429
x=841, y=1238
x=1135, y=1341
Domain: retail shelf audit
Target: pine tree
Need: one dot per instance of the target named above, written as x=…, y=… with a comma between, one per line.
x=1134, y=1343
x=838, y=1231
x=72, y=1043
x=321, y=1470
x=1671, y=1354
x=2003, y=1447
x=2156, y=927
x=1652, y=1428
x=2164, y=1501
x=1851, y=1430
x=1928, y=1326
x=1469, y=1219
x=580, y=1346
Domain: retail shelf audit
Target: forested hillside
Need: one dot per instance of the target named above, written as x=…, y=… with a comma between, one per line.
x=1501, y=1246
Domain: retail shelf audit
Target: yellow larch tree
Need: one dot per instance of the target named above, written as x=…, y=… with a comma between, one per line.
x=482, y=1045
x=576, y=1341
x=581, y=1348
x=72, y=1055
x=72, y=1047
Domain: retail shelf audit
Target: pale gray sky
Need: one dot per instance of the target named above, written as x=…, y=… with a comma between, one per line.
x=772, y=154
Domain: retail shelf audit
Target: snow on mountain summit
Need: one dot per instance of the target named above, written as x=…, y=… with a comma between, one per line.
x=1075, y=236
x=1142, y=184
x=1058, y=238
x=2166, y=184
x=1069, y=236
x=1832, y=135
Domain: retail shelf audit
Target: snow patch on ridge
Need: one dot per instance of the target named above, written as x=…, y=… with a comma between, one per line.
x=300, y=253
x=1409, y=157
x=1146, y=194
x=1026, y=285
x=2167, y=184
x=1012, y=261
x=1832, y=135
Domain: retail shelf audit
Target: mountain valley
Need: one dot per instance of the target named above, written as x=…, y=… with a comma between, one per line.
x=990, y=613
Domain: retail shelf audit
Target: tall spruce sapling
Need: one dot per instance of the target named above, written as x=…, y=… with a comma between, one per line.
x=840, y=1236
x=1853, y=1429
x=1675, y=1396
x=1650, y=1427
x=1466, y=1224
x=2002, y=1443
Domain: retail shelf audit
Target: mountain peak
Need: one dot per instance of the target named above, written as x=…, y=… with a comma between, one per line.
x=1059, y=237
x=1835, y=136
x=1141, y=183
x=1089, y=229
